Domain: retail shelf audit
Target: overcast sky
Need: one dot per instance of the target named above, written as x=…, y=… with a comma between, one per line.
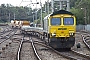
x=18, y=2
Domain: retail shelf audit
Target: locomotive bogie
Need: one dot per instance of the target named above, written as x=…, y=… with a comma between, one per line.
x=62, y=42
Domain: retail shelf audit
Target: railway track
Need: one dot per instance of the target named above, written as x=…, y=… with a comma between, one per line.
x=5, y=41
x=68, y=55
x=9, y=44
x=3, y=24
x=27, y=52
x=86, y=40
x=6, y=36
x=48, y=53
x=71, y=54
x=81, y=37
x=5, y=30
x=44, y=53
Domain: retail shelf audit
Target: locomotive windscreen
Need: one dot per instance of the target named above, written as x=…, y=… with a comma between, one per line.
x=55, y=21
x=68, y=21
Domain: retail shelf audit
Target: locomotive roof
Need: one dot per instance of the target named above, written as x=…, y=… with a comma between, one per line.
x=61, y=12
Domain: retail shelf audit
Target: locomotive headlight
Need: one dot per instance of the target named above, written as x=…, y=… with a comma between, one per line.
x=53, y=34
x=71, y=33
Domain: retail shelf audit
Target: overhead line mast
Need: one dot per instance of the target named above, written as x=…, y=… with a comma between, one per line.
x=61, y=4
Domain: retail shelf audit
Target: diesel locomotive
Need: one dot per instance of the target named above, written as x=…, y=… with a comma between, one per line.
x=60, y=27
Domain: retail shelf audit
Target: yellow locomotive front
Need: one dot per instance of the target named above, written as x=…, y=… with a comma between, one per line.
x=62, y=26
x=61, y=29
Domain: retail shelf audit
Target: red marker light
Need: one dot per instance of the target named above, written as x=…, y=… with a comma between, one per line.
x=62, y=31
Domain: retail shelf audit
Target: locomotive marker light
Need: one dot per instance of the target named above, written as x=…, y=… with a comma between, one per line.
x=62, y=31
x=53, y=34
x=71, y=33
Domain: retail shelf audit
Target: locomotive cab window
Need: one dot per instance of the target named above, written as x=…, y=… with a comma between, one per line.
x=69, y=21
x=55, y=21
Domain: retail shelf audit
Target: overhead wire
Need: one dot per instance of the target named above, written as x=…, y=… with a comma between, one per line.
x=20, y=2
x=32, y=2
x=24, y=1
x=80, y=3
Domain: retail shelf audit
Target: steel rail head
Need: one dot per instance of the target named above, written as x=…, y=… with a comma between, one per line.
x=84, y=40
x=34, y=49
x=49, y=47
x=19, y=49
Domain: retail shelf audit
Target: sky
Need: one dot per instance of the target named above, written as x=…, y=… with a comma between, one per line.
x=23, y=3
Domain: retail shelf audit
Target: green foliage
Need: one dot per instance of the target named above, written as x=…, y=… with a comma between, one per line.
x=80, y=13
x=7, y=13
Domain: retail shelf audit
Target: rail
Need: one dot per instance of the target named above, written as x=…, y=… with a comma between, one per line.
x=8, y=36
x=64, y=54
x=20, y=47
x=34, y=49
x=19, y=50
x=84, y=40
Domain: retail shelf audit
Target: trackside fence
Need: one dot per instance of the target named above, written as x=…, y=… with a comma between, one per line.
x=83, y=28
